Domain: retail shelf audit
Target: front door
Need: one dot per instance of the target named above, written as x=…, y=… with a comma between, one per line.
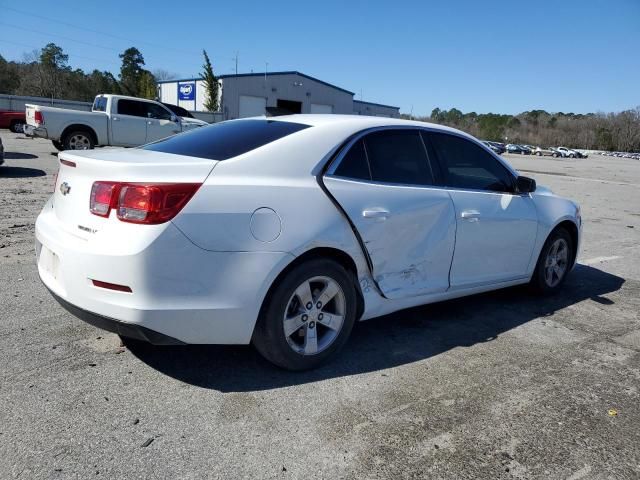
x=496, y=227
x=384, y=183
x=159, y=123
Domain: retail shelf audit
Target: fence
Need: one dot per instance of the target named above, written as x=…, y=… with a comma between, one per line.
x=17, y=103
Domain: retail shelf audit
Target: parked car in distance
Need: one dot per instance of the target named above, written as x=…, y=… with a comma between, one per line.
x=514, y=148
x=14, y=121
x=495, y=146
x=205, y=237
x=566, y=152
x=113, y=120
x=546, y=152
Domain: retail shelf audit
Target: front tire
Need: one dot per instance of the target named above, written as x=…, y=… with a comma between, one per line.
x=554, y=262
x=59, y=146
x=78, y=140
x=308, y=316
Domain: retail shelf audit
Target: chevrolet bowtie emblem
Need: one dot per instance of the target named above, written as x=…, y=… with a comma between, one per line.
x=65, y=188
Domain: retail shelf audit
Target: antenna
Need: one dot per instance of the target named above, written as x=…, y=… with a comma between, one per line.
x=266, y=68
x=236, y=59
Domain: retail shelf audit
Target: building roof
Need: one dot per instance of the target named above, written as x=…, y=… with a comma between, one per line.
x=269, y=74
x=375, y=104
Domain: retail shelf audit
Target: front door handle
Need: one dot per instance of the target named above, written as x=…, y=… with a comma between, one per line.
x=471, y=215
x=375, y=213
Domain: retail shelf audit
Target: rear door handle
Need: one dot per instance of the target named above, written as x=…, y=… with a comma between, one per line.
x=376, y=213
x=470, y=215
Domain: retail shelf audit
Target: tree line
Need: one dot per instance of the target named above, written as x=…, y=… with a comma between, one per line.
x=47, y=73
x=592, y=131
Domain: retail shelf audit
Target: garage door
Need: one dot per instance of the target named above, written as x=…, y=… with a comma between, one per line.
x=252, y=106
x=319, y=108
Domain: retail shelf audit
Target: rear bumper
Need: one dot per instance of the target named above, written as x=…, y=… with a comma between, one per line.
x=137, y=332
x=31, y=131
x=178, y=290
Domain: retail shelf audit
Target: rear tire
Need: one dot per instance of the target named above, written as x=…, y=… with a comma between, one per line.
x=554, y=262
x=78, y=140
x=295, y=330
x=17, y=127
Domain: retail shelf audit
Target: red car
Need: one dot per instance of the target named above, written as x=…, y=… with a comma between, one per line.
x=14, y=121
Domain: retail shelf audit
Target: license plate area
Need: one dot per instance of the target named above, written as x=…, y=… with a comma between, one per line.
x=49, y=262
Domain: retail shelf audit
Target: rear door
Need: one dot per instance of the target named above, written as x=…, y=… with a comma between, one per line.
x=129, y=123
x=159, y=123
x=385, y=184
x=496, y=227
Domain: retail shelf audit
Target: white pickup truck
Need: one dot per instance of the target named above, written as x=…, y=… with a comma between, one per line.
x=113, y=120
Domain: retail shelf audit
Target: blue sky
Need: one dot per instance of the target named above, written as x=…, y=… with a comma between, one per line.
x=484, y=56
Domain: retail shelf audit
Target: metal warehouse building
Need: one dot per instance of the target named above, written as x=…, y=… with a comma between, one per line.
x=250, y=94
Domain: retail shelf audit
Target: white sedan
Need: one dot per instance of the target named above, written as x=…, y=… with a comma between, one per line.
x=283, y=232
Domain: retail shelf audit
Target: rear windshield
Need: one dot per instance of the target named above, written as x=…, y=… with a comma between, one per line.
x=100, y=104
x=225, y=140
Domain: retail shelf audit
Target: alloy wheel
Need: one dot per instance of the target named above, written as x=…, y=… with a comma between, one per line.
x=314, y=315
x=79, y=142
x=556, y=263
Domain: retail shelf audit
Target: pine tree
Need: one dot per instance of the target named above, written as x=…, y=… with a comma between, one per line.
x=211, y=85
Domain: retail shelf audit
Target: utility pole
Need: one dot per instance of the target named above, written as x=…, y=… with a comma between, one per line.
x=236, y=58
x=266, y=68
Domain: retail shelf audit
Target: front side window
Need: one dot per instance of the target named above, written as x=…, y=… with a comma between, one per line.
x=467, y=165
x=225, y=140
x=156, y=111
x=398, y=156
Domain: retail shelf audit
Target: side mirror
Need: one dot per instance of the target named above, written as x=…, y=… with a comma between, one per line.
x=525, y=185
x=175, y=119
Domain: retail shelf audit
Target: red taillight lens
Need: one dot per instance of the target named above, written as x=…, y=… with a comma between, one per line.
x=104, y=197
x=39, y=119
x=141, y=203
x=153, y=204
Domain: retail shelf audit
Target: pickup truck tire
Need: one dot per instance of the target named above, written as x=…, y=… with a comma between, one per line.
x=78, y=140
x=59, y=146
x=16, y=127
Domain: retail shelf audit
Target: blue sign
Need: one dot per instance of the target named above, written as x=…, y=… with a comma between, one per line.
x=187, y=91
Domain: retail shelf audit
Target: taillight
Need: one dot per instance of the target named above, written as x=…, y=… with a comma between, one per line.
x=104, y=197
x=39, y=119
x=141, y=203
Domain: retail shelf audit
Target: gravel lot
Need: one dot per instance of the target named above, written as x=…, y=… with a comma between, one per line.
x=498, y=385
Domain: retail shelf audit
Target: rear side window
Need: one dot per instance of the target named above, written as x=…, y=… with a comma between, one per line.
x=354, y=164
x=132, y=107
x=225, y=140
x=398, y=156
x=467, y=165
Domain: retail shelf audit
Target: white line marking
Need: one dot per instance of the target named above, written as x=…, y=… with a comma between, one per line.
x=592, y=261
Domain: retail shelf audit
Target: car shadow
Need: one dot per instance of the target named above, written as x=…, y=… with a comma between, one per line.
x=19, y=156
x=20, y=172
x=397, y=339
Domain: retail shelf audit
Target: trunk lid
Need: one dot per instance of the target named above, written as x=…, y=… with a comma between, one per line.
x=79, y=170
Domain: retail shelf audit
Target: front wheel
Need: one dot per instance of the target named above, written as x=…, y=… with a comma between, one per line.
x=308, y=316
x=78, y=140
x=554, y=262
x=59, y=146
